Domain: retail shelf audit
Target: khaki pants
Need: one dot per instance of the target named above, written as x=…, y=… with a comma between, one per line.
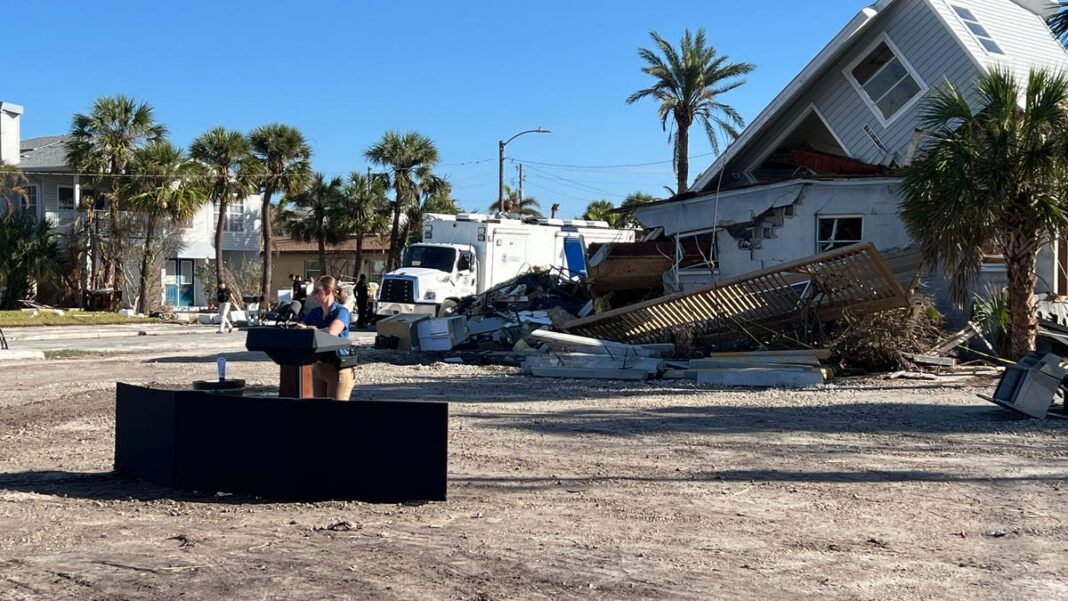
x=329, y=381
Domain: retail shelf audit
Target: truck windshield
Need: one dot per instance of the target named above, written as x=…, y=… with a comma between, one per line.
x=430, y=257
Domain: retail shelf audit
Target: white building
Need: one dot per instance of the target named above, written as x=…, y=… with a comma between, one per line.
x=55, y=192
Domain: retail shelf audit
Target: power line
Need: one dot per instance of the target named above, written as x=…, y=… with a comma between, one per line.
x=621, y=166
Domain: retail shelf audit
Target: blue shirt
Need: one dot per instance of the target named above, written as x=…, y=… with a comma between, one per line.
x=316, y=318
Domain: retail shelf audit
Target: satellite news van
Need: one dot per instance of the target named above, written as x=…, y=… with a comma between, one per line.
x=469, y=253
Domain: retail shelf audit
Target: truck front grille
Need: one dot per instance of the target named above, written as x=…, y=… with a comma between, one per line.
x=397, y=290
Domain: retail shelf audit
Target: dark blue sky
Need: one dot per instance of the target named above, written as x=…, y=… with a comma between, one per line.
x=465, y=74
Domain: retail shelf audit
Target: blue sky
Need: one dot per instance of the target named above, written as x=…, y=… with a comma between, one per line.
x=465, y=74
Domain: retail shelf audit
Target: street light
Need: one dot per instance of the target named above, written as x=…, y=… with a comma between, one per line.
x=500, y=163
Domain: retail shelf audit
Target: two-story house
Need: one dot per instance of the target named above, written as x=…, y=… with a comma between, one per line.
x=54, y=191
x=816, y=169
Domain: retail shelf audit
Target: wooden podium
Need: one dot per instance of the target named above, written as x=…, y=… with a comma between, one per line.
x=295, y=351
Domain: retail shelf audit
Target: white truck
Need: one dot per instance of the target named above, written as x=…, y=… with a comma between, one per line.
x=469, y=253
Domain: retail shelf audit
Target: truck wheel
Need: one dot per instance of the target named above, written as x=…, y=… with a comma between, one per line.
x=447, y=308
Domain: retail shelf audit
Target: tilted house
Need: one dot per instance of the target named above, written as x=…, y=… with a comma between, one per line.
x=814, y=171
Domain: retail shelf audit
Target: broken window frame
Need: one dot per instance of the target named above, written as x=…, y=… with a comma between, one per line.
x=833, y=241
x=910, y=72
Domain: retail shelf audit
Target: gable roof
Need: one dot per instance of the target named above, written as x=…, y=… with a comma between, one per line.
x=40, y=154
x=843, y=42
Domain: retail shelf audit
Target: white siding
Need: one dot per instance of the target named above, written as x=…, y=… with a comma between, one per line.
x=1022, y=34
x=10, y=136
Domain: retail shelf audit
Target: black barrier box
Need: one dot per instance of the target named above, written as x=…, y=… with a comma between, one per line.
x=280, y=448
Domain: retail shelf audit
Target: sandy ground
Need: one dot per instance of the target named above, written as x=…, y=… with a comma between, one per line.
x=558, y=489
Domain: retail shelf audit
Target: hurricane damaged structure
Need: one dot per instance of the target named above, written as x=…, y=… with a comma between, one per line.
x=819, y=168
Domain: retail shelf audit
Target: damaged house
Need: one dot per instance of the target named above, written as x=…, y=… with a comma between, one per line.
x=818, y=169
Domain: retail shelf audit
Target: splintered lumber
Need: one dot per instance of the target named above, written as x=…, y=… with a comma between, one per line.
x=931, y=360
x=853, y=278
x=956, y=339
x=649, y=365
x=559, y=341
x=821, y=354
x=589, y=373
x=761, y=377
x=741, y=362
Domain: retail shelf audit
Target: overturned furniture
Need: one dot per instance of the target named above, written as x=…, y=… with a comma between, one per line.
x=1030, y=386
x=773, y=300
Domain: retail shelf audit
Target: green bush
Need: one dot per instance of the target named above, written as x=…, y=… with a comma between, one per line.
x=29, y=253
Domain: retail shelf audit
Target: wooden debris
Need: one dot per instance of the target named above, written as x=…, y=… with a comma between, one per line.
x=558, y=341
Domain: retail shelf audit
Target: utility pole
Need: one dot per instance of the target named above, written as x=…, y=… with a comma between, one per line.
x=500, y=163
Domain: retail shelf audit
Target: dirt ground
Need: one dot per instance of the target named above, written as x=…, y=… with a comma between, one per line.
x=558, y=489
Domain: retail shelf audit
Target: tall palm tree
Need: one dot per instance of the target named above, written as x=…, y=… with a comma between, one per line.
x=225, y=159
x=166, y=185
x=11, y=189
x=436, y=194
x=528, y=206
x=689, y=82
x=285, y=162
x=365, y=208
x=992, y=174
x=601, y=210
x=103, y=143
x=314, y=215
x=410, y=158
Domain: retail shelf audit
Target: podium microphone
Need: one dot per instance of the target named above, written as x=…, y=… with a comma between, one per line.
x=294, y=310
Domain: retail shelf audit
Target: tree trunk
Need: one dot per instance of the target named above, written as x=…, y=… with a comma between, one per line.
x=359, y=256
x=219, y=225
x=682, y=149
x=1020, y=258
x=146, y=262
x=265, y=226
x=394, y=235
x=322, y=254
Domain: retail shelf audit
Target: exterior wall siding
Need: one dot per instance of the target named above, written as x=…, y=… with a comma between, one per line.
x=925, y=43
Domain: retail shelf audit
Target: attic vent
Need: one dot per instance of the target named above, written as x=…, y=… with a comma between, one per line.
x=980, y=32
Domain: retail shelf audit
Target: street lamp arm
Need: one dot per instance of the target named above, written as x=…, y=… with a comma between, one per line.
x=529, y=131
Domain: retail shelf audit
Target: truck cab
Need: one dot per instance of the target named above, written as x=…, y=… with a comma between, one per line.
x=431, y=280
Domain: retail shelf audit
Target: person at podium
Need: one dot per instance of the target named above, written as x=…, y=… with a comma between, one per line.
x=333, y=377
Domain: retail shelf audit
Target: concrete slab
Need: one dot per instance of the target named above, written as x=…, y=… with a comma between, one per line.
x=761, y=377
x=20, y=355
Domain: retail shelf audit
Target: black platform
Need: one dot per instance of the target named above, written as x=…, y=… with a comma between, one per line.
x=283, y=448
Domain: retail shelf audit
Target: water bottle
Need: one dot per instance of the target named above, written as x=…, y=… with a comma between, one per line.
x=221, y=363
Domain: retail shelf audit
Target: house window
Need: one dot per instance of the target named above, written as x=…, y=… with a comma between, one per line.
x=311, y=270
x=981, y=34
x=29, y=203
x=886, y=81
x=838, y=231
x=66, y=198
x=235, y=216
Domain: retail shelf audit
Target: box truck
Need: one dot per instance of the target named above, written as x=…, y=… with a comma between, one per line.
x=466, y=254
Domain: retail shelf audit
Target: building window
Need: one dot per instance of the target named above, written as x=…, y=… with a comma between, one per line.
x=886, y=81
x=66, y=198
x=838, y=231
x=235, y=216
x=378, y=269
x=981, y=34
x=29, y=203
x=312, y=270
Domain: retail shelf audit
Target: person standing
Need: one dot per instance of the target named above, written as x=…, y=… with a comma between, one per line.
x=335, y=376
x=361, y=302
x=224, y=297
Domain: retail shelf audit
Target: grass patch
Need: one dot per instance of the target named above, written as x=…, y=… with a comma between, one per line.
x=73, y=353
x=70, y=317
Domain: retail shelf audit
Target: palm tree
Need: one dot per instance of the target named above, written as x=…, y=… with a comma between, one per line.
x=1058, y=21
x=528, y=206
x=992, y=175
x=11, y=190
x=228, y=170
x=285, y=161
x=436, y=193
x=30, y=251
x=365, y=209
x=601, y=210
x=409, y=157
x=315, y=215
x=166, y=185
x=633, y=201
x=103, y=143
x=688, y=84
